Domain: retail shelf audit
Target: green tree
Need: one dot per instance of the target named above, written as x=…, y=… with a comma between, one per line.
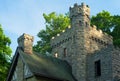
x=5, y=53
x=54, y=25
x=103, y=20
x=116, y=30
x=109, y=24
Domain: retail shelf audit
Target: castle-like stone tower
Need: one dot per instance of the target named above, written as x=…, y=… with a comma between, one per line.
x=70, y=45
x=88, y=50
x=80, y=15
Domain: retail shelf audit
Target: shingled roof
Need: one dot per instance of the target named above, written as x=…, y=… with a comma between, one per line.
x=46, y=66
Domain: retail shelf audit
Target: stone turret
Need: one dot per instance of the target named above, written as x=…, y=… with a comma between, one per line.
x=80, y=14
x=25, y=42
x=70, y=45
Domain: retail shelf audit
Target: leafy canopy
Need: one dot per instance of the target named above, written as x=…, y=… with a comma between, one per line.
x=54, y=25
x=5, y=53
x=116, y=30
x=103, y=21
x=109, y=24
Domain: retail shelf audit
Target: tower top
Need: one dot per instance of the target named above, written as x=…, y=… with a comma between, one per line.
x=79, y=10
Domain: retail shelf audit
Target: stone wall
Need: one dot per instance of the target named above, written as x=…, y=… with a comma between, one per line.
x=96, y=40
x=116, y=64
x=61, y=41
x=105, y=57
x=85, y=44
x=73, y=40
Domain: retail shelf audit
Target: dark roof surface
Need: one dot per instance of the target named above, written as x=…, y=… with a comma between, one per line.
x=42, y=65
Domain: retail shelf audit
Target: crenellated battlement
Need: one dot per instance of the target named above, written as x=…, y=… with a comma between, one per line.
x=63, y=31
x=79, y=10
x=99, y=31
x=82, y=45
x=100, y=35
x=63, y=37
x=95, y=34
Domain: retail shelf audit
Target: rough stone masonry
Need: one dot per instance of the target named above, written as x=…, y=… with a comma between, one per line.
x=88, y=50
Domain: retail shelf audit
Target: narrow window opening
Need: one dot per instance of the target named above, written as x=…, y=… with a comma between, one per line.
x=97, y=68
x=65, y=52
x=86, y=24
x=80, y=23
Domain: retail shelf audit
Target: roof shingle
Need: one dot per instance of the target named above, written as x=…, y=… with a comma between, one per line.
x=42, y=65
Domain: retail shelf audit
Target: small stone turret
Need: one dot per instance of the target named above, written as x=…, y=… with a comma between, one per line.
x=80, y=15
x=70, y=45
x=82, y=9
x=25, y=42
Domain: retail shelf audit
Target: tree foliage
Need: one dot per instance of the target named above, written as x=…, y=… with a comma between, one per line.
x=116, y=30
x=103, y=21
x=109, y=24
x=5, y=53
x=54, y=25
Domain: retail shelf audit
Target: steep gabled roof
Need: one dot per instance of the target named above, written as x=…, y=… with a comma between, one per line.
x=13, y=66
x=46, y=66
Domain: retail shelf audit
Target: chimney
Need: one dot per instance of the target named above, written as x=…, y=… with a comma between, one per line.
x=25, y=42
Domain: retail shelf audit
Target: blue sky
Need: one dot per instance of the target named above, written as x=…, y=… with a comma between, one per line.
x=26, y=16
